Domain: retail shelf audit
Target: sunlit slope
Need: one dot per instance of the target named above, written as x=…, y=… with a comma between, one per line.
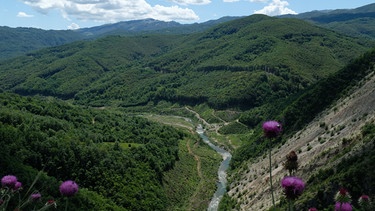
x=241, y=63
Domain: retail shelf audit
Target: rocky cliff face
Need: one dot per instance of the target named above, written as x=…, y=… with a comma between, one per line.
x=334, y=131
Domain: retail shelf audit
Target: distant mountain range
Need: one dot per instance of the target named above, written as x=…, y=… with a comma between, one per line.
x=231, y=57
x=18, y=41
x=150, y=26
x=358, y=22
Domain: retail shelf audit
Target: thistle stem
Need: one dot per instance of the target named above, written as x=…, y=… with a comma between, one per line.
x=271, y=186
x=66, y=204
x=290, y=205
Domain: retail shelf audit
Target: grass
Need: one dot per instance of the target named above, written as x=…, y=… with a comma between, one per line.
x=175, y=121
x=192, y=182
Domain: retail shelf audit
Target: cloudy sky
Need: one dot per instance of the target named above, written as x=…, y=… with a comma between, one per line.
x=73, y=14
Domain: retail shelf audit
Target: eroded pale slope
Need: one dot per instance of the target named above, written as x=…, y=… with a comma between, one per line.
x=315, y=145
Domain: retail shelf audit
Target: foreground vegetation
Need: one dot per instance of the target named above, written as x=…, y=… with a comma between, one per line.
x=69, y=142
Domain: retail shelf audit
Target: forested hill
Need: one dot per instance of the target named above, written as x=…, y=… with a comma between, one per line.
x=117, y=159
x=21, y=40
x=149, y=26
x=358, y=22
x=18, y=41
x=242, y=63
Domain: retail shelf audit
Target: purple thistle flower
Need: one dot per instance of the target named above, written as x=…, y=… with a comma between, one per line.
x=345, y=206
x=17, y=186
x=9, y=181
x=313, y=209
x=271, y=129
x=68, y=188
x=293, y=187
x=35, y=196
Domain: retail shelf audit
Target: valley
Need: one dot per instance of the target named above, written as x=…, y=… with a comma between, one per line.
x=118, y=113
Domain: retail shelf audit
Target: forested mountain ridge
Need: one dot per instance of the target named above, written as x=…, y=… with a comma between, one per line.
x=21, y=40
x=18, y=41
x=149, y=26
x=358, y=22
x=243, y=63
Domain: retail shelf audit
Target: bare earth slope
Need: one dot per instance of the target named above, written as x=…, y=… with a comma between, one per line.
x=315, y=145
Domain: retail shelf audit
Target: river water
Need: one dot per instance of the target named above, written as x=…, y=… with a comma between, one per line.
x=222, y=172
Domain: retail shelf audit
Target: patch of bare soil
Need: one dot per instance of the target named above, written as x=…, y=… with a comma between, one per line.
x=315, y=145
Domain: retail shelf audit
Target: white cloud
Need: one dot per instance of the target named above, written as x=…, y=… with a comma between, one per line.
x=73, y=26
x=231, y=0
x=173, y=13
x=108, y=11
x=276, y=7
x=24, y=15
x=192, y=2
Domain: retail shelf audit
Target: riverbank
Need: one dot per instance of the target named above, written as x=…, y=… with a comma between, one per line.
x=192, y=183
x=222, y=171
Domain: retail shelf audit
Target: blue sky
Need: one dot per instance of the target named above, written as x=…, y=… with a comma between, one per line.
x=73, y=14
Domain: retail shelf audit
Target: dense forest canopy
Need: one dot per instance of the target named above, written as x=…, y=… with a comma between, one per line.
x=239, y=64
x=118, y=157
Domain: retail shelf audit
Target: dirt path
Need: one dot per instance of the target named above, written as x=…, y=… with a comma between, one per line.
x=199, y=117
x=196, y=158
x=206, y=125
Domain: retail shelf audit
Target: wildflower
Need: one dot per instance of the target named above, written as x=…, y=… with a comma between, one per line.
x=313, y=209
x=344, y=206
x=17, y=186
x=9, y=181
x=343, y=195
x=293, y=187
x=35, y=196
x=271, y=129
x=68, y=188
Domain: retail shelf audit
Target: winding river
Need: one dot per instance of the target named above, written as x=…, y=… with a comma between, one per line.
x=222, y=174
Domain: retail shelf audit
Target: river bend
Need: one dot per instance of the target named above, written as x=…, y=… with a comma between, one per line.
x=222, y=172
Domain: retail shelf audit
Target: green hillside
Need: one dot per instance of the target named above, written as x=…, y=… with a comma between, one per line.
x=346, y=161
x=296, y=112
x=21, y=40
x=358, y=22
x=18, y=41
x=116, y=159
x=239, y=64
